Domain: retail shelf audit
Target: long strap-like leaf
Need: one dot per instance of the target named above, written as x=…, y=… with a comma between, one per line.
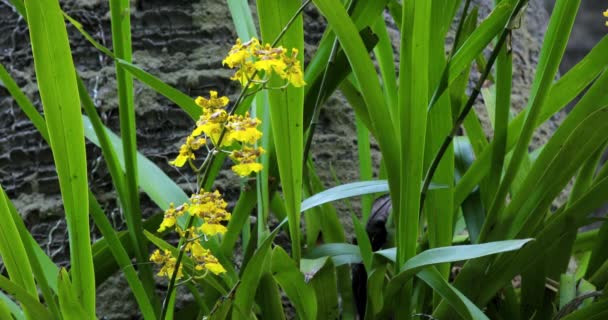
x=55, y=73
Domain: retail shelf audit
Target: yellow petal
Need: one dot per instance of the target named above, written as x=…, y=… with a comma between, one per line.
x=213, y=229
x=245, y=169
x=249, y=135
x=179, y=161
x=168, y=222
x=216, y=268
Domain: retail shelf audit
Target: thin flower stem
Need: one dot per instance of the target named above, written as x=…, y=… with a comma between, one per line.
x=205, y=175
x=289, y=23
x=465, y=111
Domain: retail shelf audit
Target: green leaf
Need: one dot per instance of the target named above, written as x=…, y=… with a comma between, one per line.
x=269, y=298
x=242, y=18
x=438, y=203
x=288, y=276
x=463, y=306
x=362, y=67
x=413, y=97
x=327, y=217
x=386, y=63
x=12, y=249
x=435, y=256
x=59, y=92
x=35, y=310
x=122, y=258
x=560, y=26
x=562, y=92
x=355, y=99
x=375, y=288
x=336, y=73
x=454, y=253
x=286, y=109
x=507, y=266
x=340, y=253
x=365, y=165
x=250, y=278
x=567, y=289
x=121, y=41
x=44, y=270
x=596, y=311
x=322, y=275
x=12, y=306
x=71, y=309
x=350, y=190
x=478, y=41
x=5, y=312
x=344, y=191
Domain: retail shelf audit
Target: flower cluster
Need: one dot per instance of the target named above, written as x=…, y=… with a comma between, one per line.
x=218, y=130
x=216, y=124
x=254, y=61
x=202, y=257
x=606, y=15
x=210, y=208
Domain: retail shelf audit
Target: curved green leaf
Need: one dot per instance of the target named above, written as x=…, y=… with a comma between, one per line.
x=288, y=276
x=55, y=73
x=463, y=306
x=35, y=309
x=444, y=255
x=340, y=253
x=250, y=277
x=13, y=251
x=71, y=309
x=349, y=190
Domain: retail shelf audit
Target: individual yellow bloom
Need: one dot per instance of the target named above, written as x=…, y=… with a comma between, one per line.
x=168, y=264
x=246, y=159
x=213, y=222
x=213, y=102
x=236, y=55
x=157, y=257
x=269, y=60
x=206, y=260
x=170, y=217
x=269, y=65
x=211, y=207
x=269, y=53
x=245, y=73
x=184, y=154
x=606, y=15
x=245, y=169
x=186, y=151
x=240, y=52
x=211, y=123
x=293, y=72
x=247, y=154
x=242, y=129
